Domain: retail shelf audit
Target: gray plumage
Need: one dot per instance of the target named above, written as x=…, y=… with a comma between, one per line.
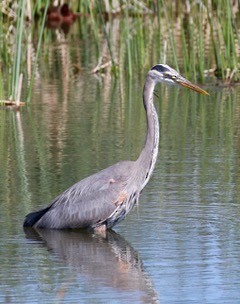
x=102, y=200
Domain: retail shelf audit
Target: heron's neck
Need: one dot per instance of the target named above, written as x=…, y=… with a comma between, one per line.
x=148, y=156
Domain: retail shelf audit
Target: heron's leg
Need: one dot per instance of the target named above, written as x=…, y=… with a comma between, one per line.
x=101, y=230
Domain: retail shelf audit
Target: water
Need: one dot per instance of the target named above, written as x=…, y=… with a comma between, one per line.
x=180, y=245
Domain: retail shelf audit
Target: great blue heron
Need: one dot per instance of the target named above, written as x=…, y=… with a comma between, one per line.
x=102, y=200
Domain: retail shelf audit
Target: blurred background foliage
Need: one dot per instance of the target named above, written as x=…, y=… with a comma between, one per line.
x=199, y=38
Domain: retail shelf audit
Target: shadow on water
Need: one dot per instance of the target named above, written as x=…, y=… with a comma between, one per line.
x=107, y=260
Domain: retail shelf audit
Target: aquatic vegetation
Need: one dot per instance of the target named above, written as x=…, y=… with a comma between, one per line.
x=15, y=40
x=199, y=38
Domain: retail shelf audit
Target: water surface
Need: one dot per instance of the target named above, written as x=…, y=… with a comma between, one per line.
x=180, y=245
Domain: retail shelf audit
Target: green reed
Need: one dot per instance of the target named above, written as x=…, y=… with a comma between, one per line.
x=200, y=42
x=197, y=38
x=171, y=36
x=18, y=48
x=1, y=35
x=108, y=38
x=37, y=52
x=128, y=42
x=13, y=58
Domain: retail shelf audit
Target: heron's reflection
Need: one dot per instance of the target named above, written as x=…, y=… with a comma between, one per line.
x=106, y=259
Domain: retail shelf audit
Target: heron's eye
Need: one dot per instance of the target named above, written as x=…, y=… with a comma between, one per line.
x=167, y=75
x=170, y=76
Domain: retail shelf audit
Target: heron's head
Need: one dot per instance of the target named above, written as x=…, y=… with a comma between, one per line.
x=164, y=74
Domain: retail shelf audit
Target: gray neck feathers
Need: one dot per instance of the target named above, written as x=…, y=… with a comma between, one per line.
x=147, y=159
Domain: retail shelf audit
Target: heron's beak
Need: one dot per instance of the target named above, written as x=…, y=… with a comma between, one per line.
x=185, y=83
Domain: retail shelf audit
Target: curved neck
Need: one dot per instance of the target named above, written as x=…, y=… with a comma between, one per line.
x=148, y=156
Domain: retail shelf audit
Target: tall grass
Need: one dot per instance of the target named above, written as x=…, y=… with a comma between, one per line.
x=29, y=94
x=16, y=28
x=18, y=50
x=197, y=38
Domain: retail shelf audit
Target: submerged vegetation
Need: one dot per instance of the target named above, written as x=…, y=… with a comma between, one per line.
x=197, y=37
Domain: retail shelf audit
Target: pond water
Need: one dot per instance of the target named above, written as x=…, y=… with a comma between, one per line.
x=181, y=243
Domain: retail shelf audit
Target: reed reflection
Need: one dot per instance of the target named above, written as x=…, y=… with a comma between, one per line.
x=103, y=259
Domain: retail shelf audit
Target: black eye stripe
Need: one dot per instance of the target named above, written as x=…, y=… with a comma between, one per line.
x=160, y=68
x=165, y=71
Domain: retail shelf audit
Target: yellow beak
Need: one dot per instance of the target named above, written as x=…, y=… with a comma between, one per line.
x=185, y=83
